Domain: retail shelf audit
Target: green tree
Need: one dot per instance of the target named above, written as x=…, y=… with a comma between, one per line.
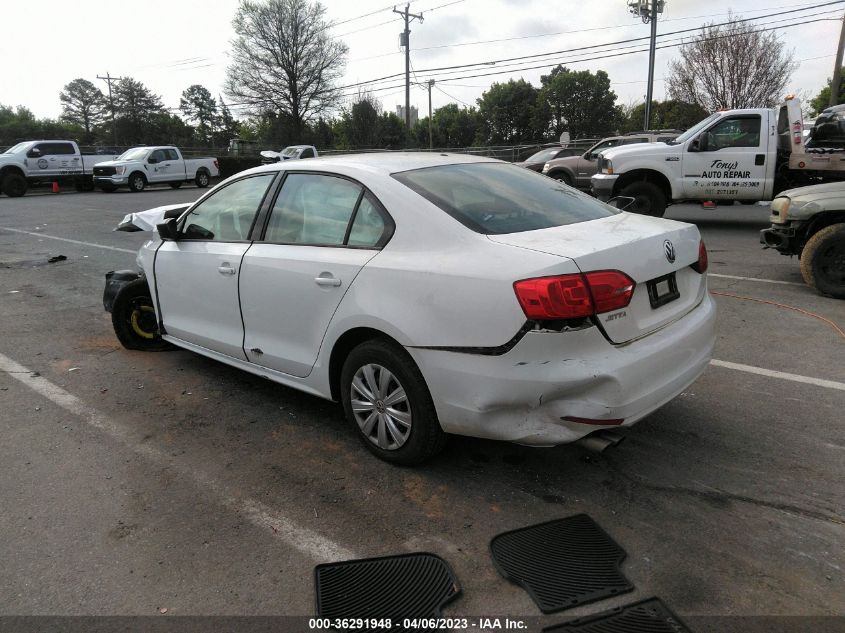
x=135, y=106
x=392, y=133
x=227, y=126
x=360, y=125
x=452, y=126
x=822, y=100
x=579, y=102
x=199, y=107
x=83, y=104
x=285, y=60
x=508, y=113
x=20, y=124
x=732, y=65
x=670, y=114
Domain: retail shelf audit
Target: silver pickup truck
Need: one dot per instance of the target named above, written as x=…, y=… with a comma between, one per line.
x=140, y=166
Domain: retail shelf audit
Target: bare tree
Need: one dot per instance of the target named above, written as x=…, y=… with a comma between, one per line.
x=735, y=65
x=284, y=60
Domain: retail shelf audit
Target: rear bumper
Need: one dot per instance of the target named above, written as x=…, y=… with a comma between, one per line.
x=602, y=185
x=522, y=396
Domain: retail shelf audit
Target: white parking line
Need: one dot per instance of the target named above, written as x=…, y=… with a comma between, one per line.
x=66, y=239
x=259, y=514
x=767, y=281
x=819, y=382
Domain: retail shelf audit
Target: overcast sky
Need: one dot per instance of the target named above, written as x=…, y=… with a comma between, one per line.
x=171, y=44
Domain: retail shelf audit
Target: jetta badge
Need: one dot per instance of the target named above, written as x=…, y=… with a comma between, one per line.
x=669, y=251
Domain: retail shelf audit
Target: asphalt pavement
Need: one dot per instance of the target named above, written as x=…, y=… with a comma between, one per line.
x=169, y=484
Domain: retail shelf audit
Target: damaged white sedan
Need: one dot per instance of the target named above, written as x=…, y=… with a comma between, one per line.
x=429, y=294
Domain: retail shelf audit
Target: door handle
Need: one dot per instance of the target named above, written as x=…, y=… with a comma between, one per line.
x=226, y=269
x=327, y=281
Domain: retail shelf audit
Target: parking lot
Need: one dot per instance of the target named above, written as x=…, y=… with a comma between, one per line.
x=169, y=484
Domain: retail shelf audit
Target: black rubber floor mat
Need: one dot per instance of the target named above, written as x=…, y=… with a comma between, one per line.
x=646, y=616
x=401, y=587
x=562, y=563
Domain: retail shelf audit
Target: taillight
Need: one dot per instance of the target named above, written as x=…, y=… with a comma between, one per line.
x=216, y=164
x=611, y=289
x=574, y=296
x=701, y=265
x=563, y=297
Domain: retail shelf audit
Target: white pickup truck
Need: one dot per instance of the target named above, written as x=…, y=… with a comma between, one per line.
x=746, y=155
x=37, y=162
x=140, y=166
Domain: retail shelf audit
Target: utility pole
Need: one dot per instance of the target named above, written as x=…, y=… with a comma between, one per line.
x=837, y=70
x=648, y=14
x=430, y=135
x=405, y=40
x=108, y=79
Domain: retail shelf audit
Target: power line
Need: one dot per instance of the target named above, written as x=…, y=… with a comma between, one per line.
x=581, y=48
x=609, y=54
x=575, y=31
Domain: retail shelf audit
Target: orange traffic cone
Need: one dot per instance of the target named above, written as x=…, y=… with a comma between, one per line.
x=55, y=186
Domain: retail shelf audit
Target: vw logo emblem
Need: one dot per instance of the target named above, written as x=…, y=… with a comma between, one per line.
x=669, y=251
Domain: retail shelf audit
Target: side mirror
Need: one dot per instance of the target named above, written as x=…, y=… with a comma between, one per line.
x=168, y=230
x=621, y=202
x=152, y=161
x=34, y=153
x=695, y=145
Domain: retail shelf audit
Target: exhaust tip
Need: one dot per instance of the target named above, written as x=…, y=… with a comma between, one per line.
x=600, y=441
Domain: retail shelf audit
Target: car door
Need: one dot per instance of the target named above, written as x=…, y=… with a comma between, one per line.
x=50, y=159
x=588, y=163
x=321, y=231
x=728, y=160
x=157, y=166
x=196, y=276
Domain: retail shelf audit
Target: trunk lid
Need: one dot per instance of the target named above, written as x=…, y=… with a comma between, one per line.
x=635, y=245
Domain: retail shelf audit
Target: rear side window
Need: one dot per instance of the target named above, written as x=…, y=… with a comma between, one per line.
x=171, y=154
x=313, y=209
x=494, y=198
x=55, y=149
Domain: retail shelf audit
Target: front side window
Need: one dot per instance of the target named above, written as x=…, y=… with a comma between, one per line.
x=598, y=147
x=313, y=209
x=157, y=156
x=227, y=214
x=637, y=139
x=494, y=199
x=741, y=131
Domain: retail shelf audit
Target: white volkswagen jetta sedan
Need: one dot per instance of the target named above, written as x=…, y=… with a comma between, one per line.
x=429, y=294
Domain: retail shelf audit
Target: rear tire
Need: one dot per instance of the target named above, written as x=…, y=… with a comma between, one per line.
x=175, y=185
x=137, y=182
x=405, y=431
x=14, y=185
x=648, y=198
x=202, y=179
x=134, y=319
x=823, y=261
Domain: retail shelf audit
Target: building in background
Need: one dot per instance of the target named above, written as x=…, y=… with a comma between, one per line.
x=400, y=112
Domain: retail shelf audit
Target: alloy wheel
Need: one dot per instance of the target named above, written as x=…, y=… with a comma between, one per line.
x=381, y=407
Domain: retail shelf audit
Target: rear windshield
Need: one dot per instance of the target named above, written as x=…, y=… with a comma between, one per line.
x=496, y=198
